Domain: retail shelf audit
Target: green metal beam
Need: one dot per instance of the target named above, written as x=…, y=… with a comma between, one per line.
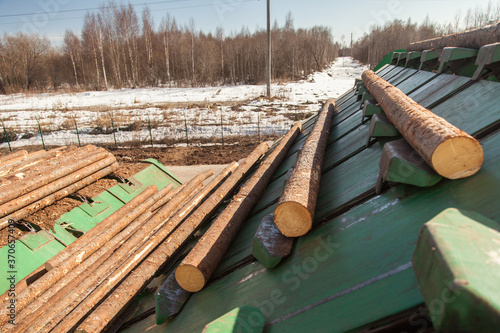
x=457, y=264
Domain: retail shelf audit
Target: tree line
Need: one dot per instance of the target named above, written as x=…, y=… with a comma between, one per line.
x=398, y=34
x=119, y=48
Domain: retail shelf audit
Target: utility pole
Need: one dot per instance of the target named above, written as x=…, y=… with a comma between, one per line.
x=351, y=44
x=268, y=48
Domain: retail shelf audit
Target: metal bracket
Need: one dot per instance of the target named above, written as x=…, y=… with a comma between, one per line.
x=169, y=299
x=402, y=59
x=413, y=60
x=458, y=61
x=380, y=126
x=429, y=60
x=488, y=59
x=366, y=97
x=395, y=58
x=400, y=163
x=371, y=108
x=269, y=245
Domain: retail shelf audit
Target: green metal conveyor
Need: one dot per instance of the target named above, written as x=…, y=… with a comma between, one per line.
x=354, y=270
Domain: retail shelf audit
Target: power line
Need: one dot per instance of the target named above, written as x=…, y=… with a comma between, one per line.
x=89, y=9
x=165, y=9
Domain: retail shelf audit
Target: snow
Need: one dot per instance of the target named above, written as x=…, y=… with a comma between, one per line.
x=241, y=109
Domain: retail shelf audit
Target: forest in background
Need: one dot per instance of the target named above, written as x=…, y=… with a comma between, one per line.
x=120, y=48
x=397, y=34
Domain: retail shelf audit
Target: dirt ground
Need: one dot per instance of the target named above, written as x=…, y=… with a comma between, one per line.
x=128, y=159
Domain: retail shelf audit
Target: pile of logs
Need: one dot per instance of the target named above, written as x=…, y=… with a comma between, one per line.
x=89, y=283
x=30, y=182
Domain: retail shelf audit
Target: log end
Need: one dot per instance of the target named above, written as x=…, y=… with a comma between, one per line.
x=190, y=278
x=292, y=219
x=458, y=157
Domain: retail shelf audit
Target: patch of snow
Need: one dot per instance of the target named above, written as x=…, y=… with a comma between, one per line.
x=57, y=112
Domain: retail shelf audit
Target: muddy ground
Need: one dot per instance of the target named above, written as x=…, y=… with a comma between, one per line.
x=128, y=159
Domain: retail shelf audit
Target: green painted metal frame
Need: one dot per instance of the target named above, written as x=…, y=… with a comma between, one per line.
x=456, y=264
x=429, y=60
x=460, y=61
x=387, y=59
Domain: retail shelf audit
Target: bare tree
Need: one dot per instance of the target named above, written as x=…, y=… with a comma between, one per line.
x=25, y=54
x=191, y=32
x=148, y=35
x=73, y=49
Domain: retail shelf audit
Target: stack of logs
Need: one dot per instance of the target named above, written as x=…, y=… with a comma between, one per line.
x=89, y=283
x=30, y=182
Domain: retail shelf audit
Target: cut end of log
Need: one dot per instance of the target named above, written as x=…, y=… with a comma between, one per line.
x=458, y=157
x=292, y=219
x=190, y=278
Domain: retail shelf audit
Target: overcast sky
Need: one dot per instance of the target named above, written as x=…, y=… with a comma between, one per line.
x=52, y=17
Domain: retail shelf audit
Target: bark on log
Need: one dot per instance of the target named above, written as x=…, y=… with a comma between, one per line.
x=90, y=289
x=45, y=190
x=41, y=162
x=295, y=211
x=13, y=191
x=451, y=152
x=50, y=199
x=66, y=289
x=474, y=39
x=195, y=270
x=112, y=306
x=125, y=259
x=76, y=257
x=22, y=284
x=35, y=157
x=20, y=154
x=97, y=230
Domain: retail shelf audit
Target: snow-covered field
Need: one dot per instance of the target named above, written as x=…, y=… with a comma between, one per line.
x=240, y=109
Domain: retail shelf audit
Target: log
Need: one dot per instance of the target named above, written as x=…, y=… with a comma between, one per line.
x=74, y=257
x=61, y=293
x=23, y=187
x=90, y=289
x=295, y=211
x=41, y=162
x=195, y=270
x=473, y=39
x=451, y=152
x=35, y=157
x=22, y=284
x=126, y=258
x=50, y=199
x=104, y=225
x=12, y=157
x=47, y=189
x=146, y=271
